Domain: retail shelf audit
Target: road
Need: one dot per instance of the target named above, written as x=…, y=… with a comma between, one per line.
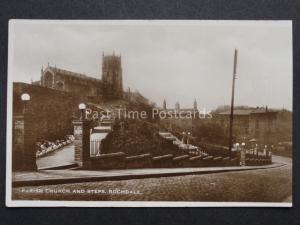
x=264, y=185
x=59, y=157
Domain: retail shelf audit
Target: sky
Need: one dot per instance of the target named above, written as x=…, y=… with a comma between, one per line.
x=173, y=60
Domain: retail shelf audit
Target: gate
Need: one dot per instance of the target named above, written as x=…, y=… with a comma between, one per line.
x=95, y=148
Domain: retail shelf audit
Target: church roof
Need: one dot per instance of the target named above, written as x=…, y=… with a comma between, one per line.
x=72, y=74
x=237, y=112
x=263, y=110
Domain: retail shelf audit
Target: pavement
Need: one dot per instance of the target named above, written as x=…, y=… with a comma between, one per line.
x=65, y=176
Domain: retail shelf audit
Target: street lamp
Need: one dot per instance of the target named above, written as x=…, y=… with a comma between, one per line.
x=82, y=108
x=183, y=136
x=188, y=138
x=25, y=98
x=243, y=154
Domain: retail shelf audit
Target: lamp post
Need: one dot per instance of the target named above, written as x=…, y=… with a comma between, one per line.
x=232, y=101
x=243, y=154
x=28, y=152
x=188, y=138
x=82, y=108
x=183, y=136
x=25, y=97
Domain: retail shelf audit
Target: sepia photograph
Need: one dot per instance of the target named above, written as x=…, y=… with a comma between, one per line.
x=149, y=113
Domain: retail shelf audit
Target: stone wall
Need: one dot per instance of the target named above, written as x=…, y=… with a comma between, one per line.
x=48, y=116
x=120, y=160
x=52, y=110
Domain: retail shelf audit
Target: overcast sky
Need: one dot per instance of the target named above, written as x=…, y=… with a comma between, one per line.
x=178, y=61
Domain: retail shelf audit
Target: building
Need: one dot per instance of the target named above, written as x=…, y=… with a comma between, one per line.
x=112, y=76
x=181, y=118
x=135, y=97
x=64, y=80
x=109, y=87
x=164, y=104
x=258, y=123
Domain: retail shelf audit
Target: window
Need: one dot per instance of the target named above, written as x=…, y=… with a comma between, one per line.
x=48, y=80
x=60, y=85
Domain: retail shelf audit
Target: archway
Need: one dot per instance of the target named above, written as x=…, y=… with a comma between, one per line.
x=48, y=80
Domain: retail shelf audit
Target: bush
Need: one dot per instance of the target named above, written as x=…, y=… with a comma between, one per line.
x=210, y=133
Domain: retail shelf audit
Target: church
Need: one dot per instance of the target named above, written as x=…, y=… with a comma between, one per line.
x=110, y=86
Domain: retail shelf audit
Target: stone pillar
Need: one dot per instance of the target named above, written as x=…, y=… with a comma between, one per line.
x=24, y=151
x=18, y=142
x=82, y=142
x=29, y=162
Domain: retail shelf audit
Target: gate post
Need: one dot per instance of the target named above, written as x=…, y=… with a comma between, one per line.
x=18, y=142
x=82, y=142
x=24, y=150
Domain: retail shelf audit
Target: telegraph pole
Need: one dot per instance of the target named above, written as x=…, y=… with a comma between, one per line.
x=232, y=100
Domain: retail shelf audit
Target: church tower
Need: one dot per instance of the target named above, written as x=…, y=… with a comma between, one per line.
x=195, y=105
x=177, y=106
x=164, y=104
x=112, y=76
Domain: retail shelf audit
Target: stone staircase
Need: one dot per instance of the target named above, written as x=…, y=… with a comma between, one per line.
x=177, y=142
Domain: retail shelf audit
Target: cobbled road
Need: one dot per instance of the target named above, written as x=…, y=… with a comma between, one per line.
x=263, y=185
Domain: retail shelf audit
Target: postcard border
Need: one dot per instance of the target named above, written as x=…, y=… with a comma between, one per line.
x=64, y=203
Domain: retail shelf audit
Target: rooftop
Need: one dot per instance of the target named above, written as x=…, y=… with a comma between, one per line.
x=248, y=111
x=72, y=74
x=178, y=110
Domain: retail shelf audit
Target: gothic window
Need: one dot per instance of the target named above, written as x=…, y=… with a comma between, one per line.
x=60, y=85
x=48, y=79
